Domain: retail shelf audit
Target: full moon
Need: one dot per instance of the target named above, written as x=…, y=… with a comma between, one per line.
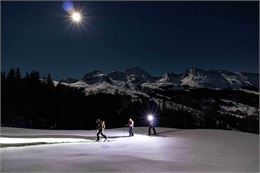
x=76, y=17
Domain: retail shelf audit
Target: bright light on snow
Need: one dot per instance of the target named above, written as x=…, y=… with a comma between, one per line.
x=173, y=150
x=5, y=140
x=150, y=117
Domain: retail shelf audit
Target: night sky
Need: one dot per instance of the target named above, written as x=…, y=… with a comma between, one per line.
x=156, y=36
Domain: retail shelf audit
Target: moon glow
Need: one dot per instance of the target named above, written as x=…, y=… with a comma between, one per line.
x=76, y=17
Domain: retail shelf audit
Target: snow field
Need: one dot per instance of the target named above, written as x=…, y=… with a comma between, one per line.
x=174, y=150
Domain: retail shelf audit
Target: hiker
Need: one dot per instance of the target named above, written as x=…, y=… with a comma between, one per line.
x=151, y=125
x=131, y=126
x=100, y=129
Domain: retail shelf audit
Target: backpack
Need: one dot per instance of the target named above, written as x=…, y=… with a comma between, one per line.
x=103, y=125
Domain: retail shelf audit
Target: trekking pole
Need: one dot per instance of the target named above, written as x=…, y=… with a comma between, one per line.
x=95, y=134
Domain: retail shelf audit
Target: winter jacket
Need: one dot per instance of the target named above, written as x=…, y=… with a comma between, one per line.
x=130, y=123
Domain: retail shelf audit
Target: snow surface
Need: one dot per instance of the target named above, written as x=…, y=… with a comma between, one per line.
x=174, y=150
x=231, y=79
x=195, y=81
x=9, y=141
x=249, y=91
x=234, y=107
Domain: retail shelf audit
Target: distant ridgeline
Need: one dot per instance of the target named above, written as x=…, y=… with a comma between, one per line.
x=194, y=99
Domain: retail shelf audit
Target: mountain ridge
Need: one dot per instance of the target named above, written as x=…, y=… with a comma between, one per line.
x=191, y=78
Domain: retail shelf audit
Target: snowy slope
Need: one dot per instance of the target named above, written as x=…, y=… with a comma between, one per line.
x=197, y=78
x=174, y=150
x=170, y=78
x=140, y=85
x=96, y=77
x=118, y=76
x=108, y=88
x=219, y=79
x=135, y=77
x=238, y=109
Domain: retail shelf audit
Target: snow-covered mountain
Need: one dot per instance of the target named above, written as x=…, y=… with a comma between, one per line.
x=118, y=76
x=140, y=85
x=134, y=78
x=197, y=78
x=170, y=78
x=219, y=79
x=137, y=76
x=96, y=77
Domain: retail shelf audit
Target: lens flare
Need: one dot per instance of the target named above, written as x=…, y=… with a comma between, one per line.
x=67, y=6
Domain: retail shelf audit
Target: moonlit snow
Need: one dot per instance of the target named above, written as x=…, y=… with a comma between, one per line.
x=174, y=150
